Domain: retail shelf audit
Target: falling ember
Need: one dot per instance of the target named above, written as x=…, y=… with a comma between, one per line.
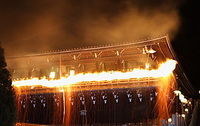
x=163, y=74
x=166, y=85
x=126, y=84
x=163, y=70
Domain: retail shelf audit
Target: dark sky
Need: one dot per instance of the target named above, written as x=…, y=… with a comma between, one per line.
x=186, y=42
x=30, y=26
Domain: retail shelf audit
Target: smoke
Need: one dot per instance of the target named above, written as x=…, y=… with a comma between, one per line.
x=127, y=21
x=130, y=26
x=35, y=26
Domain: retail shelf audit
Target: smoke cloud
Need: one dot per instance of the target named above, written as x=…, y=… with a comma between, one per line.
x=35, y=26
x=130, y=26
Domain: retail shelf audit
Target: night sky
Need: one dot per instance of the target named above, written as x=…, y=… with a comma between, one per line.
x=32, y=26
x=186, y=42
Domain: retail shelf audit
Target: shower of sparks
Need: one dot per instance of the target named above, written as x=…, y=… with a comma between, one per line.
x=164, y=69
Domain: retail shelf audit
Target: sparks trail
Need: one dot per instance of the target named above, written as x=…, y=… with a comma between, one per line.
x=164, y=70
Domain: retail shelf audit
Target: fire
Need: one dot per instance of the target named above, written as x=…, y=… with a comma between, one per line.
x=164, y=70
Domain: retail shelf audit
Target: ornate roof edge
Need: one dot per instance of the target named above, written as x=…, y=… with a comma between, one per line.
x=93, y=48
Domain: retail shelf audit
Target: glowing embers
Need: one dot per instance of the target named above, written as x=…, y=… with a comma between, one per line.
x=164, y=70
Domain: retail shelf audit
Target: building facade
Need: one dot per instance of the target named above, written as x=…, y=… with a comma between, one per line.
x=118, y=102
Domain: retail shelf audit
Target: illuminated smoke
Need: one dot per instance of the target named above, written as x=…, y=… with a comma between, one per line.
x=68, y=24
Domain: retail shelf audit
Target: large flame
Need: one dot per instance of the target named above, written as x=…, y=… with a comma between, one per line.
x=164, y=70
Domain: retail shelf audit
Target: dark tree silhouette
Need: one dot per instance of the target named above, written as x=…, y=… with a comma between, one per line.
x=7, y=95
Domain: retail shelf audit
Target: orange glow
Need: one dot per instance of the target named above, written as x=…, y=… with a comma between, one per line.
x=164, y=74
x=166, y=86
x=164, y=70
